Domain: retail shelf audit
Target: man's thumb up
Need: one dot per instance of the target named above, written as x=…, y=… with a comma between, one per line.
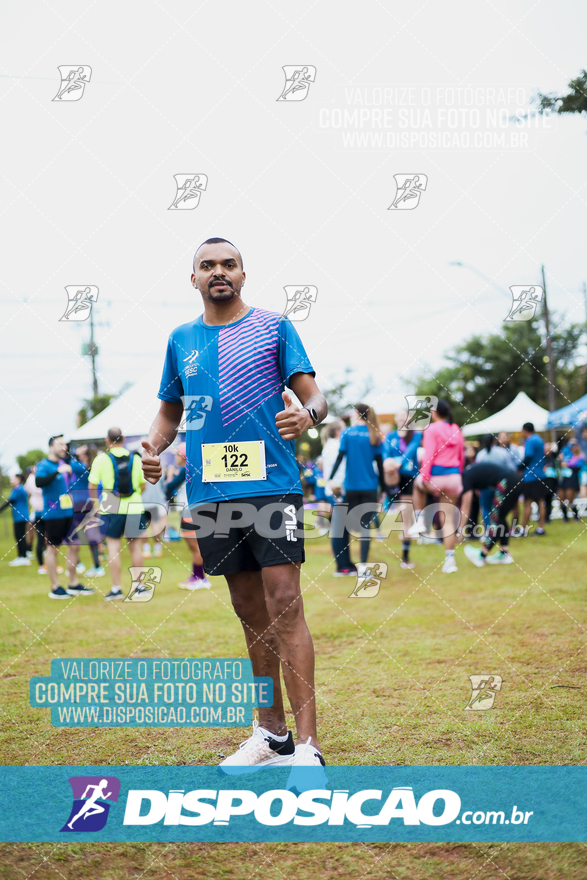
x=150, y=462
x=287, y=400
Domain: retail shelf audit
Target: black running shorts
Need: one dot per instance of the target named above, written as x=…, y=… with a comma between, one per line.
x=270, y=533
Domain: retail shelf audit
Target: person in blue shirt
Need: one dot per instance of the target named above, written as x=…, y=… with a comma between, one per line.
x=571, y=459
x=228, y=370
x=18, y=501
x=534, y=487
x=400, y=465
x=362, y=446
x=53, y=475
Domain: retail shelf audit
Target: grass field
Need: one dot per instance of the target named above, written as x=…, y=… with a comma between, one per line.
x=392, y=683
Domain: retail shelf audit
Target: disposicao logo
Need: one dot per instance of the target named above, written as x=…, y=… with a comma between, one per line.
x=90, y=802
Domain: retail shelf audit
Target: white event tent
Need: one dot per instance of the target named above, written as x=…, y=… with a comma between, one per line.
x=511, y=418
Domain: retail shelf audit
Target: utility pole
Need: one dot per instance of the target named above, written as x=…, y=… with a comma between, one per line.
x=550, y=360
x=90, y=349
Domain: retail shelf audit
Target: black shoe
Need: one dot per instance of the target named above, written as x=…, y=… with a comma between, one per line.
x=113, y=595
x=80, y=590
x=58, y=593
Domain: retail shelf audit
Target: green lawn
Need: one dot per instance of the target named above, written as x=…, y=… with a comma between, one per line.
x=392, y=684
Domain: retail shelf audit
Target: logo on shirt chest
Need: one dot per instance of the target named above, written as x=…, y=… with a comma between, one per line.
x=191, y=367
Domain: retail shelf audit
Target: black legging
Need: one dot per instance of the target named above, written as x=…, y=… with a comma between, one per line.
x=505, y=499
x=39, y=527
x=20, y=530
x=353, y=499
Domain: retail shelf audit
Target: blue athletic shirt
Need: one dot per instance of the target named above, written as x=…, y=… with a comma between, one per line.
x=241, y=370
x=20, y=504
x=360, y=475
x=53, y=508
x=534, y=457
x=392, y=449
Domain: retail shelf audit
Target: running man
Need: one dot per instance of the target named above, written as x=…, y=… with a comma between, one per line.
x=246, y=357
x=91, y=808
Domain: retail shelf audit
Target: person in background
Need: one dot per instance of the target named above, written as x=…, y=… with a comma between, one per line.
x=571, y=460
x=36, y=518
x=493, y=453
x=516, y=452
x=362, y=446
x=551, y=476
x=120, y=474
x=176, y=490
x=154, y=499
x=440, y=474
x=81, y=464
x=582, y=440
x=53, y=475
x=470, y=453
x=532, y=466
x=18, y=501
x=506, y=486
x=330, y=436
x=400, y=466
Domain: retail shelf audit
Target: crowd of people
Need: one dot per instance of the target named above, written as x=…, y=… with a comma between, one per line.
x=93, y=499
x=442, y=484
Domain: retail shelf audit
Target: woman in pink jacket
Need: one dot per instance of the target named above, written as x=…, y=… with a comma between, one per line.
x=440, y=475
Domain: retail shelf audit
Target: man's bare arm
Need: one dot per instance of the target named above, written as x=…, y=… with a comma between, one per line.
x=162, y=434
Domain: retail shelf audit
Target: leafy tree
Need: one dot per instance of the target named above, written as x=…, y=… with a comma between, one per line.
x=29, y=458
x=92, y=406
x=574, y=102
x=342, y=394
x=484, y=373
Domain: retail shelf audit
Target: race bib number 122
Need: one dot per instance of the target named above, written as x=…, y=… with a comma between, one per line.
x=233, y=462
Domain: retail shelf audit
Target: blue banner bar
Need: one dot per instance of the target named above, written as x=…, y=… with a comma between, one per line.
x=370, y=804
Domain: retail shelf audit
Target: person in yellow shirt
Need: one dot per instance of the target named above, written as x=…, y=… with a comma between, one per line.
x=120, y=474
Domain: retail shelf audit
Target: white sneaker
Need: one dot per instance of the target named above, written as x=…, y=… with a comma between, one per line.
x=194, y=583
x=29, y=554
x=418, y=528
x=499, y=559
x=475, y=556
x=307, y=768
x=95, y=572
x=259, y=750
x=408, y=565
x=449, y=565
x=20, y=560
x=80, y=568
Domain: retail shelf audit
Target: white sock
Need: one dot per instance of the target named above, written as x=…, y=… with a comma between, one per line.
x=449, y=553
x=146, y=548
x=157, y=547
x=116, y=589
x=280, y=739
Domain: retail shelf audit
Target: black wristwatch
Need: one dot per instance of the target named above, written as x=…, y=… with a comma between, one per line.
x=313, y=413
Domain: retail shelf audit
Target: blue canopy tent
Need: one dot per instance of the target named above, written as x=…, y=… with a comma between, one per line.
x=571, y=415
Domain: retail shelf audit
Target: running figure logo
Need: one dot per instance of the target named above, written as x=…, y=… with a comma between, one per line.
x=299, y=301
x=369, y=577
x=420, y=409
x=525, y=301
x=297, y=82
x=143, y=582
x=484, y=689
x=90, y=808
x=189, y=188
x=74, y=80
x=196, y=408
x=409, y=190
x=79, y=302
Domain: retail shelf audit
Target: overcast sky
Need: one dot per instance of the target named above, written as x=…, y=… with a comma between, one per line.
x=193, y=88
